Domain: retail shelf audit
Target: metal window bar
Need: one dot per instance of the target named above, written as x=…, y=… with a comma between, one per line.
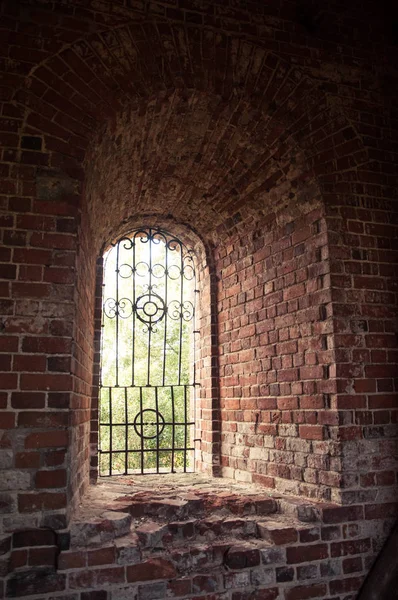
x=147, y=386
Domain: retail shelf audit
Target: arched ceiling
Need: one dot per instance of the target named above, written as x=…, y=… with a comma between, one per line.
x=180, y=118
x=196, y=157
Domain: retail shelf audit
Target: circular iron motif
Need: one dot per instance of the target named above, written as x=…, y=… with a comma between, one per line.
x=150, y=308
x=148, y=426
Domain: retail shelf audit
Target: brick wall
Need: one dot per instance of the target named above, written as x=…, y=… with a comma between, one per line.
x=363, y=277
x=276, y=338
x=83, y=395
x=232, y=120
x=38, y=248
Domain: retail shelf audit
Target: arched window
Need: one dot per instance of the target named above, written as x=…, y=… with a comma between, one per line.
x=147, y=381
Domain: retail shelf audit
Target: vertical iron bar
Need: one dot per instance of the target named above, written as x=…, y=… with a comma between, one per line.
x=142, y=433
x=110, y=431
x=99, y=433
x=181, y=300
x=126, y=445
x=173, y=419
x=157, y=428
x=150, y=293
x=102, y=334
x=165, y=314
x=117, y=315
x=100, y=400
x=185, y=428
x=193, y=390
x=133, y=334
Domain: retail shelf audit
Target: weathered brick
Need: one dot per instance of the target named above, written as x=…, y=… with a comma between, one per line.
x=299, y=554
x=153, y=568
x=42, y=581
x=306, y=591
x=242, y=557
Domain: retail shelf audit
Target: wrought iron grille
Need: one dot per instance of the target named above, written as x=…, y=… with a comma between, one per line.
x=147, y=383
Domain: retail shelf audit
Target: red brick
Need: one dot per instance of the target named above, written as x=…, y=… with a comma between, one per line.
x=43, y=556
x=18, y=558
x=382, y=401
x=311, y=432
x=32, y=256
x=350, y=433
x=36, y=381
x=277, y=534
x=35, y=222
x=8, y=343
x=29, y=362
x=9, y=381
x=241, y=557
x=33, y=537
x=47, y=439
x=31, y=290
x=258, y=594
x=352, y=565
x=53, y=240
x=381, y=511
x=341, y=514
x=59, y=275
x=14, y=238
x=152, y=569
x=102, y=556
x=7, y=271
x=72, y=560
x=302, y=592
x=305, y=553
x=309, y=535
x=47, y=345
x=7, y=420
x=81, y=579
x=3, y=400
x=110, y=575
x=28, y=399
x=264, y=480
x=36, y=501
x=27, y=460
x=341, y=586
x=54, y=459
x=43, y=419
x=50, y=479
x=350, y=547
x=97, y=595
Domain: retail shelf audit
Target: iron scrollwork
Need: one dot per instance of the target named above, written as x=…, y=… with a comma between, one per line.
x=118, y=308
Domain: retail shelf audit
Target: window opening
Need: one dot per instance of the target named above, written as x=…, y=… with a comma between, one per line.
x=147, y=379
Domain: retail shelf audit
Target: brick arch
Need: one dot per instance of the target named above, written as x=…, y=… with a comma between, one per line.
x=185, y=233
x=207, y=411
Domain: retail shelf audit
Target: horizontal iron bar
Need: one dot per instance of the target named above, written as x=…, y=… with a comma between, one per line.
x=145, y=450
x=162, y=471
x=149, y=423
x=143, y=387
